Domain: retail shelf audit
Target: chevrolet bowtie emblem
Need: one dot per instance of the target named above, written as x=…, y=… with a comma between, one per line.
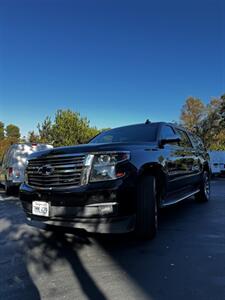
x=46, y=170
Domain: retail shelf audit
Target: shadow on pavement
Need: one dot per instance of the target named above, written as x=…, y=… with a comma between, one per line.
x=63, y=245
x=15, y=280
x=185, y=260
x=22, y=246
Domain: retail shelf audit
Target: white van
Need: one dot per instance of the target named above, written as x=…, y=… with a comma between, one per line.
x=14, y=163
x=222, y=162
x=217, y=162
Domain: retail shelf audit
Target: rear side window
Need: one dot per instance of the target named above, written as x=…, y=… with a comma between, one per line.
x=166, y=132
x=185, y=141
x=197, y=142
x=200, y=143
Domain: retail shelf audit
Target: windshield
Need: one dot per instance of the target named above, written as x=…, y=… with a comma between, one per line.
x=133, y=133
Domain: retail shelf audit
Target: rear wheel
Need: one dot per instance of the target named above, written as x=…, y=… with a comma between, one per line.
x=8, y=190
x=204, y=194
x=147, y=211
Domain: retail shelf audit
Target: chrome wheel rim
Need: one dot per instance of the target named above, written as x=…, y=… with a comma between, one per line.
x=206, y=186
x=156, y=215
x=156, y=208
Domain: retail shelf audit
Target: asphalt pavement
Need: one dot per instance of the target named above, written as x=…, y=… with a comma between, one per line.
x=185, y=261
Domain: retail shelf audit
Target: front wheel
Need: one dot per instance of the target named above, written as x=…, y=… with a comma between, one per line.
x=204, y=194
x=147, y=212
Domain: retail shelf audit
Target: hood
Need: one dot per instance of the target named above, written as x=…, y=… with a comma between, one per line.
x=89, y=148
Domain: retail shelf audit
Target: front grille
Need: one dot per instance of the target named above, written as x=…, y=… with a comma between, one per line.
x=66, y=171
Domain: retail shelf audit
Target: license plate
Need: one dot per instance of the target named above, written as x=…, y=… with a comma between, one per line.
x=40, y=208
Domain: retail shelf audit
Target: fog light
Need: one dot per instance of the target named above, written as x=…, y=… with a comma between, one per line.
x=105, y=209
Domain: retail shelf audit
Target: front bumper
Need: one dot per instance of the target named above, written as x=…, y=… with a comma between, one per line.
x=82, y=207
x=95, y=225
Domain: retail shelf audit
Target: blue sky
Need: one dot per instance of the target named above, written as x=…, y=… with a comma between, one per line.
x=116, y=62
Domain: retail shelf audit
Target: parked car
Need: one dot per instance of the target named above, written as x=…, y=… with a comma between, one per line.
x=117, y=182
x=14, y=162
x=217, y=162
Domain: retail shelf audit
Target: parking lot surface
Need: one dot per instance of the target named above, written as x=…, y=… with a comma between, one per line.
x=185, y=261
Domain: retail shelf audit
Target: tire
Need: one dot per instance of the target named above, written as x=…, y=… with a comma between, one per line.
x=8, y=190
x=147, y=210
x=204, y=194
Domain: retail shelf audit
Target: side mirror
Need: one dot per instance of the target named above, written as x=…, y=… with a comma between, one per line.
x=170, y=140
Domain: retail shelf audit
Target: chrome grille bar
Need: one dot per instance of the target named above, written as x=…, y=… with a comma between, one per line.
x=66, y=171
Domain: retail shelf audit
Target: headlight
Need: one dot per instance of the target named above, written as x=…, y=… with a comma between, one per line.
x=104, y=166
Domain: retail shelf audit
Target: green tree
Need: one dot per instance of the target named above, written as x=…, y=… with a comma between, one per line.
x=208, y=122
x=33, y=137
x=104, y=129
x=217, y=132
x=70, y=128
x=23, y=139
x=92, y=132
x=45, y=131
x=222, y=110
x=2, y=134
x=210, y=127
x=4, y=145
x=13, y=132
x=192, y=114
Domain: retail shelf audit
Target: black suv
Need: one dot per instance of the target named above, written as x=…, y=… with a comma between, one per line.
x=118, y=181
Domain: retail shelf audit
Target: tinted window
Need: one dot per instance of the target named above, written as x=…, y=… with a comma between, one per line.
x=197, y=142
x=133, y=133
x=185, y=141
x=166, y=132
